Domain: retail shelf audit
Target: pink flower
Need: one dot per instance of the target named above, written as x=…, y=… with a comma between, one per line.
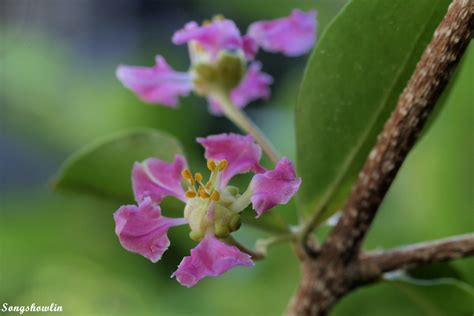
x=291, y=36
x=208, y=43
x=212, y=208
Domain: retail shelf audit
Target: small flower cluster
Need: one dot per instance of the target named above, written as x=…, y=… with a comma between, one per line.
x=219, y=55
x=212, y=208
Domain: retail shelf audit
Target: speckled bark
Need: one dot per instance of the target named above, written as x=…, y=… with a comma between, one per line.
x=376, y=263
x=337, y=269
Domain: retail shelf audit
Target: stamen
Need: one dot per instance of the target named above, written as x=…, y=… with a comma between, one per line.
x=215, y=196
x=190, y=194
x=223, y=164
x=208, y=185
x=218, y=17
x=187, y=175
x=198, y=177
x=206, y=22
x=211, y=165
x=202, y=193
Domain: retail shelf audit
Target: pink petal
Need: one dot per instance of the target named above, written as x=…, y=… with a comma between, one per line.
x=217, y=35
x=275, y=186
x=214, y=106
x=253, y=86
x=249, y=46
x=157, y=84
x=157, y=179
x=143, y=230
x=241, y=152
x=211, y=257
x=293, y=35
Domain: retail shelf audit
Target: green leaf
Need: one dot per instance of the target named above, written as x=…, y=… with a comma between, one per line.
x=270, y=222
x=104, y=167
x=438, y=297
x=351, y=84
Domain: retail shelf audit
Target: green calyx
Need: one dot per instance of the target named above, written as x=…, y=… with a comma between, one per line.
x=222, y=76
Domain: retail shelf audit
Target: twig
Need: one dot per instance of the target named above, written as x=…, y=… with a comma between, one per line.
x=376, y=263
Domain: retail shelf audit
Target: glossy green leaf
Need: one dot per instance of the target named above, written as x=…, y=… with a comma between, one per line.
x=438, y=297
x=351, y=84
x=104, y=167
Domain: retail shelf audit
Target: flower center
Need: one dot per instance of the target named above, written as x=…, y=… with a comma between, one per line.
x=208, y=190
x=208, y=206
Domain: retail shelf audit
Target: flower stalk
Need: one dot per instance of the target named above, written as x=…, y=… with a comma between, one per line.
x=239, y=118
x=255, y=254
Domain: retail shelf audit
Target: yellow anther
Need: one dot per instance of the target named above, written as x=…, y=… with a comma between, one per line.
x=223, y=164
x=190, y=194
x=206, y=22
x=202, y=193
x=208, y=185
x=215, y=196
x=218, y=17
x=211, y=165
x=198, y=177
x=187, y=174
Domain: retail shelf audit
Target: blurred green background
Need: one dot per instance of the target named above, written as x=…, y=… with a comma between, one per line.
x=59, y=92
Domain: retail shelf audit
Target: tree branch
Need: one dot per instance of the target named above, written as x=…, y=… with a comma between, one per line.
x=400, y=133
x=375, y=263
x=336, y=269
